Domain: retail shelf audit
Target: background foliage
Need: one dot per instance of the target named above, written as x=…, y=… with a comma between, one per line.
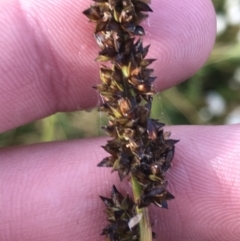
x=212, y=96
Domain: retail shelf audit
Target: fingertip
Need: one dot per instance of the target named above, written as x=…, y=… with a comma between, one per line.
x=205, y=181
x=182, y=35
x=63, y=176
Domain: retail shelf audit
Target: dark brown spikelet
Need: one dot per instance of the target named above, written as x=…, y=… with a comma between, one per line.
x=122, y=217
x=120, y=212
x=139, y=145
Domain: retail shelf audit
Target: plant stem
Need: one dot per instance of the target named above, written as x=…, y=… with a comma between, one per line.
x=144, y=225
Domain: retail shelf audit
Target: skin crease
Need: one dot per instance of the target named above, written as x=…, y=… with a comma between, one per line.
x=49, y=191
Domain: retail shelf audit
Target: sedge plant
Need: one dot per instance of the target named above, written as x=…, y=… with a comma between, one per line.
x=139, y=148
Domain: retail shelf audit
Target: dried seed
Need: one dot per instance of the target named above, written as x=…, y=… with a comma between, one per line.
x=107, y=201
x=117, y=197
x=102, y=58
x=107, y=162
x=92, y=13
x=100, y=26
x=146, y=62
x=124, y=105
x=145, y=51
x=141, y=6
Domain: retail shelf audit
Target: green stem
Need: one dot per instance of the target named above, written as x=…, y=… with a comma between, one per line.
x=145, y=225
x=48, y=128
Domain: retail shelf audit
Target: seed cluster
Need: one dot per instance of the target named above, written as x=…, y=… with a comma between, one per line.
x=120, y=210
x=139, y=146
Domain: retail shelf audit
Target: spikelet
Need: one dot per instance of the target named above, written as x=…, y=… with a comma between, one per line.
x=120, y=211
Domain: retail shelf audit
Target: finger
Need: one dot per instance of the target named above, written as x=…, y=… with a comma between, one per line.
x=47, y=53
x=50, y=191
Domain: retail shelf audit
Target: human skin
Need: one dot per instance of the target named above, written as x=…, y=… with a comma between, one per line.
x=49, y=191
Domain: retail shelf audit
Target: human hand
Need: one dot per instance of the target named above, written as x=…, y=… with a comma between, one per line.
x=49, y=191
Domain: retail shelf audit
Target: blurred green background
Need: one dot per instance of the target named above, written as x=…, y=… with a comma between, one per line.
x=212, y=96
